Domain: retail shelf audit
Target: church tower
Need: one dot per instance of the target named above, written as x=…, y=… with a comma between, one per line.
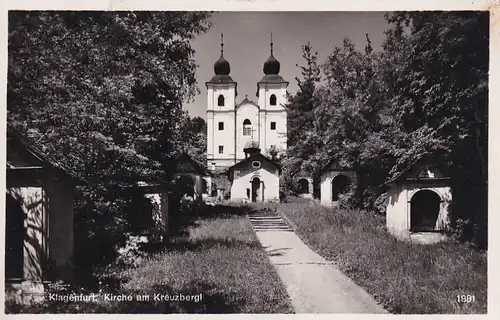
x=221, y=95
x=271, y=93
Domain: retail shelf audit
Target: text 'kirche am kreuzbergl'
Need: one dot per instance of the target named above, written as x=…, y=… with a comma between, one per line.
x=92, y=297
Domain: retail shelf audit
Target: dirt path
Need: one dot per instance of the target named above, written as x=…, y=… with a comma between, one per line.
x=314, y=284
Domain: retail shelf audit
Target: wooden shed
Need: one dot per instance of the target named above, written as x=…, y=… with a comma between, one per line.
x=38, y=221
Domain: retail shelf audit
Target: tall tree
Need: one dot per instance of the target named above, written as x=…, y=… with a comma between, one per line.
x=300, y=116
x=442, y=85
x=102, y=93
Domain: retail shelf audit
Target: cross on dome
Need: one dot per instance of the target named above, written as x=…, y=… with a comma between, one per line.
x=221, y=66
x=271, y=66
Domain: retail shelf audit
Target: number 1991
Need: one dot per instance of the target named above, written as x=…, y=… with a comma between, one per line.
x=466, y=298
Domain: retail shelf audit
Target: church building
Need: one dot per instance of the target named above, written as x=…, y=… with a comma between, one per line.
x=232, y=125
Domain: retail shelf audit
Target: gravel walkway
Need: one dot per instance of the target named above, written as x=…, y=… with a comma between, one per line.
x=313, y=284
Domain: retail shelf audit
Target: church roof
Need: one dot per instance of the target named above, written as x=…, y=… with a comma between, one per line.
x=221, y=69
x=253, y=157
x=218, y=78
x=221, y=66
x=246, y=100
x=271, y=66
x=271, y=78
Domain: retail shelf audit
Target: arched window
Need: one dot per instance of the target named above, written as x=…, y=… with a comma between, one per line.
x=424, y=212
x=272, y=100
x=220, y=101
x=303, y=186
x=247, y=128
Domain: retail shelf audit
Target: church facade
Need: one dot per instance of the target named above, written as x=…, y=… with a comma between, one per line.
x=231, y=125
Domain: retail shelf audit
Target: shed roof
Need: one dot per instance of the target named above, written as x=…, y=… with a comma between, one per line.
x=185, y=164
x=14, y=140
x=333, y=164
x=413, y=171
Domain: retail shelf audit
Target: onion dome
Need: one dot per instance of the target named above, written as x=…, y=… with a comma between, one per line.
x=251, y=144
x=251, y=148
x=221, y=66
x=271, y=66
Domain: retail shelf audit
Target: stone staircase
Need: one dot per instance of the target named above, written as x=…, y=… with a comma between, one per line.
x=268, y=221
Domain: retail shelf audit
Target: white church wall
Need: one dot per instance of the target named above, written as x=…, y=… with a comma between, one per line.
x=270, y=177
x=225, y=114
x=268, y=89
x=210, y=135
x=223, y=137
x=275, y=137
x=229, y=93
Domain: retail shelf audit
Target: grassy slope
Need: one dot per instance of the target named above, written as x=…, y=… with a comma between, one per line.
x=219, y=256
x=406, y=278
x=222, y=259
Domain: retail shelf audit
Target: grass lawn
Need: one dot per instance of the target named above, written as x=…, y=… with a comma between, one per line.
x=406, y=278
x=222, y=259
x=217, y=261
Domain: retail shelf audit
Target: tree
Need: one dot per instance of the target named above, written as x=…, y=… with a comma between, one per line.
x=300, y=117
x=92, y=84
x=195, y=139
x=101, y=92
x=442, y=85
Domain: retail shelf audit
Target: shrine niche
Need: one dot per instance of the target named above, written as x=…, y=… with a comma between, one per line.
x=335, y=180
x=418, y=202
x=305, y=185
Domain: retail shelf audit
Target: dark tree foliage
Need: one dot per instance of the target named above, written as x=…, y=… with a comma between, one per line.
x=102, y=93
x=300, y=117
x=443, y=85
x=425, y=93
x=195, y=139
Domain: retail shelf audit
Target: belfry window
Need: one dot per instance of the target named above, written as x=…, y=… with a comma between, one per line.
x=272, y=100
x=247, y=128
x=220, y=100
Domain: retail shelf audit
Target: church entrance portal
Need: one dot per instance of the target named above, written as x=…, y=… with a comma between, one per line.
x=255, y=189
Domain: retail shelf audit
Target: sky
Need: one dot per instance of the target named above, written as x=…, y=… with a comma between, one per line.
x=247, y=38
